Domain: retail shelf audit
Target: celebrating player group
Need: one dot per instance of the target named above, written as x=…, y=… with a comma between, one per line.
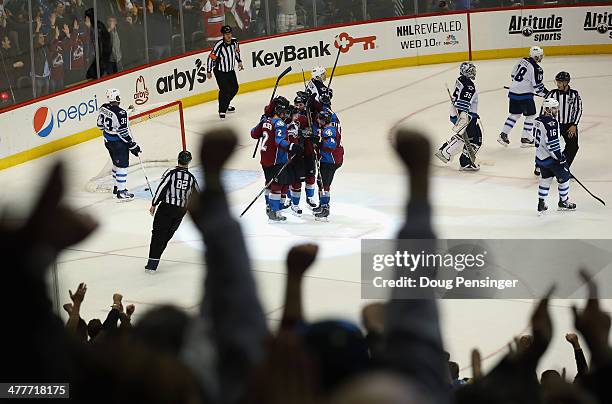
x=300, y=143
x=559, y=116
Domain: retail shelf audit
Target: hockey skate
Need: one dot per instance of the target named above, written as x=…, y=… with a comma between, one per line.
x=285, y=205
x=115, y=190
x=323, y=214
x=503, y=139
x=275, y=216
x=441, y=156
x=566, y=205
x=221, y=115
x=231, y=109
x=536, y=171
x=542, y=207
x=470, y=167
x=296, y=210
x=311, y=203
x=527, y=142
x=124, y=195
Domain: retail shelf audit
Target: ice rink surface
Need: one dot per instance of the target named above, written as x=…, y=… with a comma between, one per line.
x=368, y=198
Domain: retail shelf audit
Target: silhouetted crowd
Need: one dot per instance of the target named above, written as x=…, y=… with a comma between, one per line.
x=227, y=353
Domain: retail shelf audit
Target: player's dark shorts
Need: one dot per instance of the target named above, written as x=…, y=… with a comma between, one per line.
x=310, y=165
x=327, y=172
x=554, y=169
x=119, y=153
x=298, y=168
x=286, y=177
x=526, y=107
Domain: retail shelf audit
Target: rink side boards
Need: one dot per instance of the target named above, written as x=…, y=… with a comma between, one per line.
x=398, y=44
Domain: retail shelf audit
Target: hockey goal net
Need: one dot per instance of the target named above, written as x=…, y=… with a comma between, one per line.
x=160, y=133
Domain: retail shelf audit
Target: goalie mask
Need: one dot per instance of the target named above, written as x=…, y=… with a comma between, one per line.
x=468, y=69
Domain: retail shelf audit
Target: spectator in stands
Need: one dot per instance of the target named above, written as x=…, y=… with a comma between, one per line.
x=11, y=68
x=42, y=65
x=286, y=18
x=115, y=59
x=213, y=17
x=76, y=9
x=56, y=58
x=131, y=32
x=159, y=31
x=104, y=46
x=75, y=68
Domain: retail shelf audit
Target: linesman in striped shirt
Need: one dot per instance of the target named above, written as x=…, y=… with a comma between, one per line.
x=222, y=62
x=169, y=206
x=570, y=112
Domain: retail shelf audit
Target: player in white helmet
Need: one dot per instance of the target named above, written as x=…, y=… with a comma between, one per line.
x=316, y=86
x=114, y=123
x=527, y=81
x=464, y=117
x=549, y=157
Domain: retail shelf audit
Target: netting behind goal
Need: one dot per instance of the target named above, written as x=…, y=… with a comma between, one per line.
x=160, y=133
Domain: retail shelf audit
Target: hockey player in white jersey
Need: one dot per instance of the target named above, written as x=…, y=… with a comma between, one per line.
x=114, y=123
x=527, y=81
x=316, y=86
x=464, y=117
x=549, y=157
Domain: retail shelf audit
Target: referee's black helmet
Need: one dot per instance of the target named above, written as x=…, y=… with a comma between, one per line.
x=563, y=76
x=184, y=158
x=226, y=29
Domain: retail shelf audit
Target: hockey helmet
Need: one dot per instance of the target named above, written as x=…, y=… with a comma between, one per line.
x=184, y=158
x=226, y=29
x=318, y=72
x=536, y=53
x=301, y=98
x=563, y=76
x=281, y=105
x=325, y=116
x=550, y=106
x=113, y=95
x=468, y=69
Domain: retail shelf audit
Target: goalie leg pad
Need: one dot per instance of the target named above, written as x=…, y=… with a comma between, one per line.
x=462, y=122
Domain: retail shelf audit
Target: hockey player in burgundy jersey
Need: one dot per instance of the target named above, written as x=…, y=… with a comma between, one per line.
x=275, y=150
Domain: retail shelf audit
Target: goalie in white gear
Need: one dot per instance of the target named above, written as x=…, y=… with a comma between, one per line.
x=527, y=81
x=549, y=157
x=316, y=86
x=114, y=123
x=464, y=117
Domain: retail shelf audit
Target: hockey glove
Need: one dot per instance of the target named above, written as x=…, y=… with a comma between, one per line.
x=296, y=149
x=306, y=132
x=134, y=149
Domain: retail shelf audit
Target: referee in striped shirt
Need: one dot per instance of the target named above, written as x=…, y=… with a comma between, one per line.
x=170, y=202
x=570, y=111
x=222, y=61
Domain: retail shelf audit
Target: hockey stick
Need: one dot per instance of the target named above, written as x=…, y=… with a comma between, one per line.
x=334, y=68
x=145, y=175
x=278, y=79
x=586, y=189
x=266, y=187
x=466, y=140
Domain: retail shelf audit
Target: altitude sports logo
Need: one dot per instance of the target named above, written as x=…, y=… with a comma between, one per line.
x=600, y=22
x=43, y=121
x=541, y=28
